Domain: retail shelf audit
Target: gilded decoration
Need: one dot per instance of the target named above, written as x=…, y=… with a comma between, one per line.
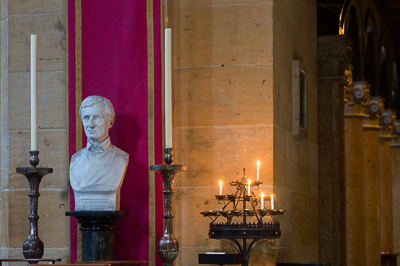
x=387, y=123
x=374, y=108
x=396, y=135
x=357, y=95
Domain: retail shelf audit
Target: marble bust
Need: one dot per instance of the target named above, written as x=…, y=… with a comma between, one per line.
x=97, y=171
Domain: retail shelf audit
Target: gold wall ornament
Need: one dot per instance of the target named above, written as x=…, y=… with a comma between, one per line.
x=374, y=109
x=356, y=97
x=387, y=122
x=348, y=74
x=396, y=135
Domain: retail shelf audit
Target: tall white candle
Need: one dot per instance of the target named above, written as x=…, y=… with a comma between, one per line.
x=262, y=201
x=258, y=171
x=168, y=89
x=220, y=187
x=248, y=187
x=272, y=202
x=33, y=93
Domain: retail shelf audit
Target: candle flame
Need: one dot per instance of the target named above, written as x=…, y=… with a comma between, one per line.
x=258, y=164
x=262, y=195
x=272, y=196
x=220, y=183
x=249, y=181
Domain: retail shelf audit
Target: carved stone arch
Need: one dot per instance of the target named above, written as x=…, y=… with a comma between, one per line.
x=351, y=23
x=371, y=56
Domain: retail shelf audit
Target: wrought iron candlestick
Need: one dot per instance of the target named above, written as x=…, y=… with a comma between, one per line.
x=33, y=247
x=168, y=246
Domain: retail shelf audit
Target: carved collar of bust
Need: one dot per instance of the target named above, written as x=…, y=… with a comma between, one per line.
x=98, y=147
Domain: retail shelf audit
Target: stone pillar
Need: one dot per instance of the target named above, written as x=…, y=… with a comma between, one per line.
x=334, y=56
x=356, y=95
x=385, y=181
x=374, y=109
x=396, y=185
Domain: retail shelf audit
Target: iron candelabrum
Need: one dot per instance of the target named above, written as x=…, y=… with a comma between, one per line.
x=230, y=232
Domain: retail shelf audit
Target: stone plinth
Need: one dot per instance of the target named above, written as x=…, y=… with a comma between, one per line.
x=387, y=121
x=396, y=185
x=374, y=109
x=334, y=55
x=97, y=233
x=356, y=96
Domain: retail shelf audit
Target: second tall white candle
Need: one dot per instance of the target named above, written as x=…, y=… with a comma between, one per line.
x=168, y=89
x=33, y=93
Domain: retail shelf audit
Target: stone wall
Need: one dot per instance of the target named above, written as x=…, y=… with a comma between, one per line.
x=47, y=19
x=295, y=176
x=233, y=106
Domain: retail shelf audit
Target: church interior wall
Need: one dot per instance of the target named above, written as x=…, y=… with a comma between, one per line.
x=233, y=95
x=224, y=110
x=295, y=157
x=18, y=20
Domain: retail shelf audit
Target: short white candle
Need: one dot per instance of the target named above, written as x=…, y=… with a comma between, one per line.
x=272, y=202
x=168, y=89
x=33, y=93
x=258, y=171
x=220, y=187
x=262, y=201
x=248, y=187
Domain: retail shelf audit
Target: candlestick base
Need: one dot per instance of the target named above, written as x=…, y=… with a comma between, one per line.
x=33, y=247
x=168, y=246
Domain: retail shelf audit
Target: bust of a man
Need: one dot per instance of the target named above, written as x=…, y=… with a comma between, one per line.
x=97, y=171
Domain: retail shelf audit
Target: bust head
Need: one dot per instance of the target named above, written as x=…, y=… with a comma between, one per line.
x=97, y=115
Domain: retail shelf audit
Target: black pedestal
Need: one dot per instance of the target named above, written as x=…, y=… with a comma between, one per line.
x=303, y=264
x=97, y=233
x=220, y=259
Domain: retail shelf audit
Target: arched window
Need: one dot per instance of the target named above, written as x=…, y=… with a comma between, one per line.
x=353, y=33
x=395, y=89
x=383, y=80
x=370, y=64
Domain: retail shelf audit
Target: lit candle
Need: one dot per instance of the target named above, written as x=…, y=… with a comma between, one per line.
x=168, y=90
x=258, y=171
x=248, y=187
x=220, y=187
x=33, y=93
x=262, y=201
x=272, y=202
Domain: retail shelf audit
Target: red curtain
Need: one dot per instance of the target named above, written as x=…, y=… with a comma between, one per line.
x=114, y=50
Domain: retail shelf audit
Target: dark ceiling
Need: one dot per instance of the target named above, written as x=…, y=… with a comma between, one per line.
x=329, y=12
x=390, y=10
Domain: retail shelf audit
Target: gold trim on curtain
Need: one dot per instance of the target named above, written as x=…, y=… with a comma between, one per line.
x=150, y=128
x=78, y=97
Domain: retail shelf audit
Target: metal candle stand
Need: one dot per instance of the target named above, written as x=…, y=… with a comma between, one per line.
x=168, y=246
x=33, y=247
x=232, y=232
